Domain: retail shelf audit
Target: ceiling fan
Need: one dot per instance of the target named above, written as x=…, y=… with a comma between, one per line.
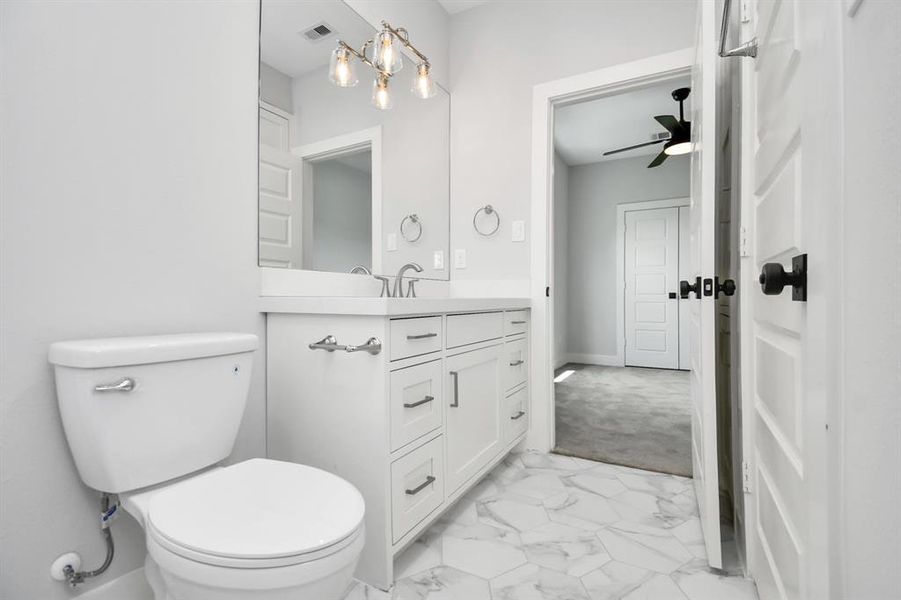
x=679, y=141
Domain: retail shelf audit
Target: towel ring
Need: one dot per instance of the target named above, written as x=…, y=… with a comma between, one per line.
x=488, y=210
x=415, y=220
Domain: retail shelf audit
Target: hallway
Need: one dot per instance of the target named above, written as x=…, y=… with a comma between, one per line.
x=626, y=416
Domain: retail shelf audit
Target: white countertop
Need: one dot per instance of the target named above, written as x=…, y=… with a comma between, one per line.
x=385, y=306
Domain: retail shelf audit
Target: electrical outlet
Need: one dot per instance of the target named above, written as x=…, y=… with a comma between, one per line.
x=438, y=261
x=392, y=242
x=519, y=231
x=460, y=258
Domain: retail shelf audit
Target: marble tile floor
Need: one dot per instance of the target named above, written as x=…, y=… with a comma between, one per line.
x=552, y=527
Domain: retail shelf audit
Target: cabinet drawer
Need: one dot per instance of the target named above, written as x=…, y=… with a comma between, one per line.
x=516, y=322
x=412, y=337
x=472, y=328
x=417, y=487
x=516, y=363
x=416, y=407
x=517, y=414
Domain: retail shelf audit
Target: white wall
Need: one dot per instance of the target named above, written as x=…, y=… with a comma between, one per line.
x=561, y=260
x=128, y=207
x=275, y=88
x=342, y=217
x=426, y=20
x=499, y=51
x=594, y=192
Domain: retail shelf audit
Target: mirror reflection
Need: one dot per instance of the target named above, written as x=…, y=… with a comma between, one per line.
x=350, y=175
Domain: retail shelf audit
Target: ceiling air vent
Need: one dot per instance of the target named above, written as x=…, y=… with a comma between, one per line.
x=317, y=32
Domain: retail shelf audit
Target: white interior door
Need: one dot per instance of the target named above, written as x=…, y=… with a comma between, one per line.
x=280, y=191
x=651, y=274
x=684, y=274
x=702, y=311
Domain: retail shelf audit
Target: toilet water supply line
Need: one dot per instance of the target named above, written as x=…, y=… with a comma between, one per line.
x=107, y=514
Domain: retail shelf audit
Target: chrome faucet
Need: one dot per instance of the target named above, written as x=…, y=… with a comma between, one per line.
x=399, y=280
x=361, y=270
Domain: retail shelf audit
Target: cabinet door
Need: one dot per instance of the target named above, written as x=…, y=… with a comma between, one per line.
x=472, y=400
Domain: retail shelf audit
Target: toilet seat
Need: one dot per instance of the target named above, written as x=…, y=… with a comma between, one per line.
x=256, y=514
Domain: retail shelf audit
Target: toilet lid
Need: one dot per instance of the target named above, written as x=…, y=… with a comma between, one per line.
x=258, y=509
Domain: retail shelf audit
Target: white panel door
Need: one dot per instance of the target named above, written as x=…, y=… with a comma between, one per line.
x=473, y=413
x=779, y=205
x=280, y=193
x=684, y=269
x=702, y=311
x=651, y=274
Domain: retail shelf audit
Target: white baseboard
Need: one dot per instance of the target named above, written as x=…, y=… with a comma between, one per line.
x=131, y=586
x=604, y=360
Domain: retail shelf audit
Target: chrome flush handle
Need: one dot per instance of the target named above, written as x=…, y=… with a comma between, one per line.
x=126, y=384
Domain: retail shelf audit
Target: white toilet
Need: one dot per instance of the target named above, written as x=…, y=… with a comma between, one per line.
x=149, y=417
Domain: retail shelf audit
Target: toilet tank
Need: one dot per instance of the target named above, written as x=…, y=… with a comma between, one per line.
x=181, y=414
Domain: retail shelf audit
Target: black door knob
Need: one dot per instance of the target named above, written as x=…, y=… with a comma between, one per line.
x=686, y=288
x=727, y=287
x=773, y=278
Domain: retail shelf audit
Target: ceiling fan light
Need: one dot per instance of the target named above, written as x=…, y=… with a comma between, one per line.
x=675, y=149
x=341, y=70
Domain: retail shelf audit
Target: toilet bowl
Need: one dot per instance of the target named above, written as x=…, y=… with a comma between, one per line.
x=260, y=529
x=150, y=419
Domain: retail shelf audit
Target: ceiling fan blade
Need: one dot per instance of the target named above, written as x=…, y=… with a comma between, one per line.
x=618, y=150
x=659, y=160
x=670, y=123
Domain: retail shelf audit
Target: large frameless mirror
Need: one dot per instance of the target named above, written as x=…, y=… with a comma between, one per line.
x=350, y=175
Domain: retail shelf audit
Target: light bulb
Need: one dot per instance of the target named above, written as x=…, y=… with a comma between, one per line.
x=388, y=57
x=381, y=99
x=678, y=148
x=341, y=68
x=423, y=86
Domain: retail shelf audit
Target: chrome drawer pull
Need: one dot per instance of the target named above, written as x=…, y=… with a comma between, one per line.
x=328, y=343
x=126, y=384
x=516, y=363
x=373, y=346
x=518, y=415
x=517, y=322
x=425, y=400
x=428, y=481
x=456, y=401
x=422, y=336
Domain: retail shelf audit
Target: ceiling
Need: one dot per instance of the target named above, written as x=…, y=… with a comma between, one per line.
x=283, y=45
x=457, y=6
x=585, y=130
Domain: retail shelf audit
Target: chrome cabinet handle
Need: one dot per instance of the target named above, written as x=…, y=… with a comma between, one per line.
x=517, y=322
x=422, y=336
x=516, y=363
x=456, y=401
x=373, y=346
x=425, y=400
x=428, y=481
x=126, y=384
x=328, y=343
x=518, y=415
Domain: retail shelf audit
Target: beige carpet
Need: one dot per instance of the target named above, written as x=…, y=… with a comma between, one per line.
x=627, y=416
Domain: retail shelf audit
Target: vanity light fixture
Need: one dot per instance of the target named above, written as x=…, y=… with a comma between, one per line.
x=383, y=54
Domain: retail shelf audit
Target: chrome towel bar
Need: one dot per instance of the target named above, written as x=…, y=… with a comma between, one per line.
x=329, y=343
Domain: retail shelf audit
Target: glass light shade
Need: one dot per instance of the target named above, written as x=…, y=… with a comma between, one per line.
x=341, y=69
x=387, y=55
x=381, y=98
x=677, y=148
x=423, y=86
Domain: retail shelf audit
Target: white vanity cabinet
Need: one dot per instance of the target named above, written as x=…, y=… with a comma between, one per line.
x=413, y=426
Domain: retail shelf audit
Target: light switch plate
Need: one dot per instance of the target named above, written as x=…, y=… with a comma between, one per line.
x=519, y=231
x=460, y=258
x=392, y=242
x=438, y=262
